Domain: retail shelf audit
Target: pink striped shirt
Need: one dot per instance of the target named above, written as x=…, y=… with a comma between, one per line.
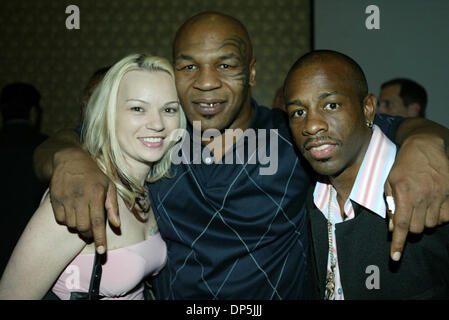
x=367, y=191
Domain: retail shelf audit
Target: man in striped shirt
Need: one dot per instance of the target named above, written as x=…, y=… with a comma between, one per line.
x=331, y=117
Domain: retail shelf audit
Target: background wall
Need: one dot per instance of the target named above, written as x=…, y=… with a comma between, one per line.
x=412, y=42
x=37, y=48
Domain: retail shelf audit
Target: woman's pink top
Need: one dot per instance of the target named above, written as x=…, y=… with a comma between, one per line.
x=123, y=271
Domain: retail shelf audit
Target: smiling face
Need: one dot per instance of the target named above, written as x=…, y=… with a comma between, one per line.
x=214, y=70
x=327, y=120
x=147, y=113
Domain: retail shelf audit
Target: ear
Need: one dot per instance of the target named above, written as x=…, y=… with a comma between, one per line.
x=413, y=110
x=252, y=72
x=369, y=107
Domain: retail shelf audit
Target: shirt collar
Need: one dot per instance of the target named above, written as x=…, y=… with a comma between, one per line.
x=368, y=188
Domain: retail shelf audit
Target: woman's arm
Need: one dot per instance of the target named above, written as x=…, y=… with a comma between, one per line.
x=78, y=184
x=43, y=251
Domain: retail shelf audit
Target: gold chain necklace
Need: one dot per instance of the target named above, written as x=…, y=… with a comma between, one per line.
x=330, y=277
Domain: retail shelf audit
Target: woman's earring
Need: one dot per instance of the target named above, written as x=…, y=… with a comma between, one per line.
x=369, y=124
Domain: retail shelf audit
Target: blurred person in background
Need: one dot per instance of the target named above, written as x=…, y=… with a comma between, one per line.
x=402, y=97
x=92, y=83
x=278, y=101
x=20, y=191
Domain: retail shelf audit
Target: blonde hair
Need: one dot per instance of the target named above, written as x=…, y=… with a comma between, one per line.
x=99, y=127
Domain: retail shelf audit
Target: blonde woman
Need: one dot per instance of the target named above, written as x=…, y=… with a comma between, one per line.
x=129, y=128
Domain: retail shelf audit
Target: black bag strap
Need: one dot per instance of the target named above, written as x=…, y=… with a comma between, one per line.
x=95, y=278
x=94, y=286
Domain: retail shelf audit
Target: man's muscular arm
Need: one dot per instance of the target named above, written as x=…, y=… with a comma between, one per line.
x=419, y=180
x=44, y=153
x=79, y=191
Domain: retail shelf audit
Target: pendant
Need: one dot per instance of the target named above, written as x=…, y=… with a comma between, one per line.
x=330, y=284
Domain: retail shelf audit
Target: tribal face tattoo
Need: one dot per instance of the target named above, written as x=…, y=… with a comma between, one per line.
x=214, y=71
x=242, y=47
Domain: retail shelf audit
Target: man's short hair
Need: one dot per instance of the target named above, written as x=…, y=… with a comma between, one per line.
x=17, y=99
x=358, y=76
x=410, y=92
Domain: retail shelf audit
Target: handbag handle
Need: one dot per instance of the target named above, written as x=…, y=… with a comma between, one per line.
x=95, y=279
x=94, y=286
